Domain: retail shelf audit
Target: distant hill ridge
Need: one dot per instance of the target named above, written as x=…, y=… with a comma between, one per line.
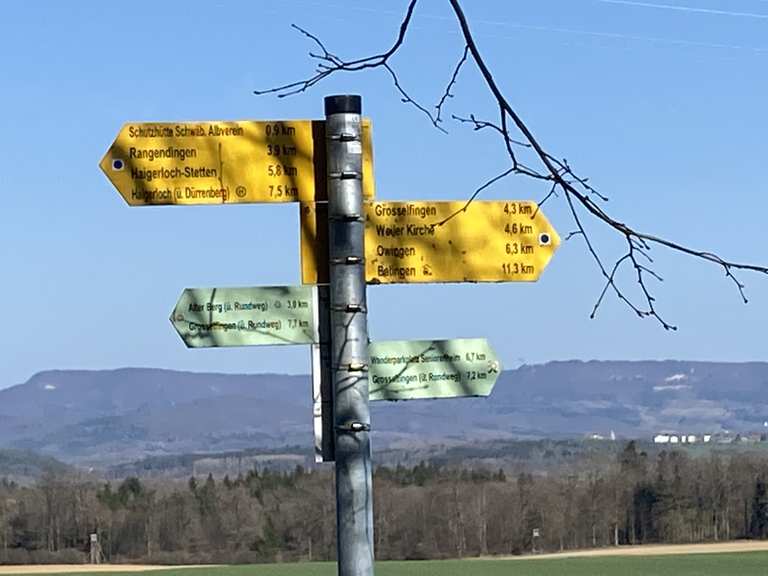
x=112, y=416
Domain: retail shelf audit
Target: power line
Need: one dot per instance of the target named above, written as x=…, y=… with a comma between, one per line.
x=573, y=31
x=559, y=30
x=621, y=36
x=690, y=9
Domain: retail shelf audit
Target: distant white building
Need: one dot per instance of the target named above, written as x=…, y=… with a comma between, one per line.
x=664, y=438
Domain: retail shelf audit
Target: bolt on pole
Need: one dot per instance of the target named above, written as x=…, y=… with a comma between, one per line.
x=349, y=336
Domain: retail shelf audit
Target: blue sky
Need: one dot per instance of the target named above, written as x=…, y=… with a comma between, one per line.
x=660, y=103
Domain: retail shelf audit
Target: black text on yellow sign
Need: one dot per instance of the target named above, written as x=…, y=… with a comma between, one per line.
x=422, y=242
x=225, y=162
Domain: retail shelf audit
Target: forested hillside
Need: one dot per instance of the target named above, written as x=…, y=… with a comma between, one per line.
x=424, y=511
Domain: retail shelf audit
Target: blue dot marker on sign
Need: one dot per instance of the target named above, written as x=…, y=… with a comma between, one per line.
x=117, y=164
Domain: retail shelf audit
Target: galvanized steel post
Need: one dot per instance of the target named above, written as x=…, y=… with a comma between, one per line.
x=349, y=336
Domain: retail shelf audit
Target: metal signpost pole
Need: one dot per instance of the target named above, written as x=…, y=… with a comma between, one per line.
x=349, y=336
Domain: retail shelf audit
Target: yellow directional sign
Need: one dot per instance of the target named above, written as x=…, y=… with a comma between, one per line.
x=413, y=242
x=225, y=162
x=314, y=243
x=408, y=242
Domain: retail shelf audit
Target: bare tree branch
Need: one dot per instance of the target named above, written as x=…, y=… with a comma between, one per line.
x=475, y=194
x=331, y=64
x=580, y=196
x=447, y=94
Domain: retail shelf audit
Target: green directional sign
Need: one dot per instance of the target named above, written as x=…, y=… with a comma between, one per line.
x=213, y=317
x=413, y=369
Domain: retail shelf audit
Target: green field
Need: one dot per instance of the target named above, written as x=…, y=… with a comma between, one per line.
x=741, y=564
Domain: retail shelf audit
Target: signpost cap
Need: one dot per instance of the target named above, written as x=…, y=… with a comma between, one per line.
x=343, y=104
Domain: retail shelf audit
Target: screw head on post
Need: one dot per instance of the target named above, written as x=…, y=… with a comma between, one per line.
x=343, y=104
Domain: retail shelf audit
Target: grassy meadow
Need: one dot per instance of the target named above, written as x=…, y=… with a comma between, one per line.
x=741, y=564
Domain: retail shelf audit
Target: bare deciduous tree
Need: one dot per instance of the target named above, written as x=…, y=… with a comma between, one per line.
x=528, y=158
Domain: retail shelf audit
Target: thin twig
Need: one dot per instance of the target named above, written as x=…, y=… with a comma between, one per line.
x=447, y=94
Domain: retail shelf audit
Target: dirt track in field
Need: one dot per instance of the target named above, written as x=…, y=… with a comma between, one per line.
x=69, y=568
x=651, y=550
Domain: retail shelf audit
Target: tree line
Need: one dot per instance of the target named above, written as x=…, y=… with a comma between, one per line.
x=422, y=511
